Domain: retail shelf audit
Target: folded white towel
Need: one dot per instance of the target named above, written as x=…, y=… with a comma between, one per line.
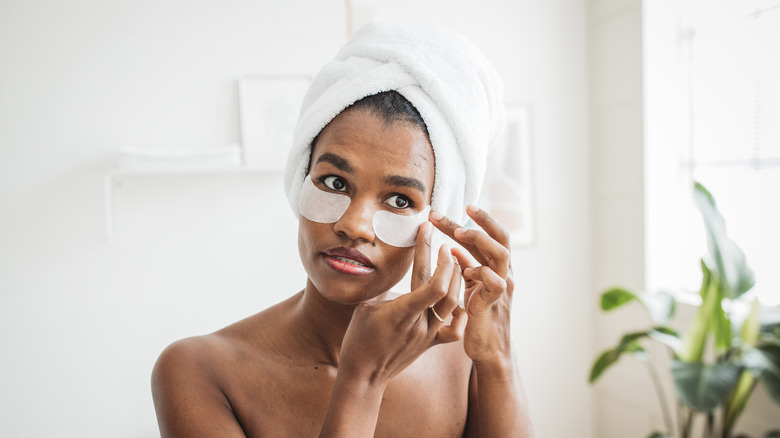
x=448, y=80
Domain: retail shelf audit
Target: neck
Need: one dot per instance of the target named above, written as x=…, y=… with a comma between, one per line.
x=321, y=324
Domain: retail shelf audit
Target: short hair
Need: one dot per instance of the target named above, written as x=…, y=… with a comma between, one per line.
x=391, y=106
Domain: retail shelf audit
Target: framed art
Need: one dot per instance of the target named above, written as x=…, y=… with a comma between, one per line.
x=507, y=192
x=268, y=108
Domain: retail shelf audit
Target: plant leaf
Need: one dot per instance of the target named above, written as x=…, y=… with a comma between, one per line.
x=767, y=362
x=609, y=357
x=703, y=386
x=666, y=336
x=721, y=325
x=738, y=399
x=660, y=306
x=770, y=333
x=629, y=343
x=604, y=361
x=616, y=297
x=695, y=339
x=729, y=263
x=751, y=326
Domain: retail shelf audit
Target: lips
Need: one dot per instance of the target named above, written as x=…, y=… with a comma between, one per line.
x=349, y=255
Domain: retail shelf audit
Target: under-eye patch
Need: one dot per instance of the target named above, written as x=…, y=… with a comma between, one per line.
x=398, y=230
x=317, y=205
x=321, y=206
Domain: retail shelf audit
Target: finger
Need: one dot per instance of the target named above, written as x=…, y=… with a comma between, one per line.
x=496, y=255
x=428, y=294
x=421, y=267
x=454, y=331
x=447, y=304
x=493, y=286
x=448, y=227
x=489, y=224
x=464, y=261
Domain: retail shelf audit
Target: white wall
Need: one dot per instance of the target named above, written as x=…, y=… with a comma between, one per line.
x=82, y=321
x=617, y=227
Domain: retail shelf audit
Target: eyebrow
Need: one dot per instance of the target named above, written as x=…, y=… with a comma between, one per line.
x=339, y=162
x=344, y=165
x=403, y=181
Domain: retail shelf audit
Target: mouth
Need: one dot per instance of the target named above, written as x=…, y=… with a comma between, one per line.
x=348, y=260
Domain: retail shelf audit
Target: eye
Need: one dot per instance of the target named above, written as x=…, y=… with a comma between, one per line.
x=399, y=201
x=334, y=183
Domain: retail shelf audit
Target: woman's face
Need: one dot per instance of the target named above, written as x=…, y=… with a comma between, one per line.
x=380, y=168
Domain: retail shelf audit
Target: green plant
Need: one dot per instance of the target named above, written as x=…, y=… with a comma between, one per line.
x=717, y=363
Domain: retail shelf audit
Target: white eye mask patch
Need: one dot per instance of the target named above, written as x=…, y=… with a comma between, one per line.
x=398, y=230
x=320, y=206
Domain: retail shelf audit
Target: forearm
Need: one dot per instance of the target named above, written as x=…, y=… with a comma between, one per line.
x=502, y=405
x=354, y=408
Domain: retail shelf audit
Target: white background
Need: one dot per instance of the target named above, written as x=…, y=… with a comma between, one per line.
x=82, y=321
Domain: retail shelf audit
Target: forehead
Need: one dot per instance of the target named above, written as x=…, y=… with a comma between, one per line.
x=372, y=145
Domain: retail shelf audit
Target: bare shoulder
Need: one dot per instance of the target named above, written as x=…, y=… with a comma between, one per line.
x=186, y=391
x=192, y=377
x=206, y=358
x=190, y=357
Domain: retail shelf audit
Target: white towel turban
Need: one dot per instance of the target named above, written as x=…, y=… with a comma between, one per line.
x=457, y=92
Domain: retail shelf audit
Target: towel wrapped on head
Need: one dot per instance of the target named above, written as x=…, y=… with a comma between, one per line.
x=445, y=77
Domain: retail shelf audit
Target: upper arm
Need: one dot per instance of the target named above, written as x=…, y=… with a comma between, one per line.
x=187, y=398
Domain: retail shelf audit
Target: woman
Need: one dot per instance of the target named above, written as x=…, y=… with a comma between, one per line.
x=399, y=122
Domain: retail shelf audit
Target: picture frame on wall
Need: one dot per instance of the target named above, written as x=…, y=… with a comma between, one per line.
x=507, y=192
x=268, y=109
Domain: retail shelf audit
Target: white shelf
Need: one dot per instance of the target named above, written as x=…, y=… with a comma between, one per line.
x=111, y=176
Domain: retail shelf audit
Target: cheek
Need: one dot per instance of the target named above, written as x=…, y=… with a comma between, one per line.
x=400, y=262
x=307, y=238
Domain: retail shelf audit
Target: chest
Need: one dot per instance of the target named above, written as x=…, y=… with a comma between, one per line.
x=284, y=401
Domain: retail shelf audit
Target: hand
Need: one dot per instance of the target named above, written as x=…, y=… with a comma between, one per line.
x=489, y=286
x=385, y=337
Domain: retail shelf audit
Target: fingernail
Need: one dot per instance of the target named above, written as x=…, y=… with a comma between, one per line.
x=435, y=215
x=472, y=208
x=468, y=270
x=459, y=231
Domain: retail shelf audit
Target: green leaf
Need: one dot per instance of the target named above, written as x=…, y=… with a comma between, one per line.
x=695, y=339
x=751, y=326
x=721, y=325
x=764, y=362
x=738, y=399
x=729, y=264
x=609, y=357
x=770, y=333
x=629, y=343
x=616, y=297
x=660, y=306
x=604, y=361
x=666, y=336
x=702, y=386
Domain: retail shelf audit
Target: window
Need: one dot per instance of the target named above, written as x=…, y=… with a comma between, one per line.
x=717, y=99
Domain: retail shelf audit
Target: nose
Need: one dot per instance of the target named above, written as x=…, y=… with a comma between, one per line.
x=357, y=221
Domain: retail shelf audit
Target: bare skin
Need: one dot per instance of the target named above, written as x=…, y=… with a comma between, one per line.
x=343, y=358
